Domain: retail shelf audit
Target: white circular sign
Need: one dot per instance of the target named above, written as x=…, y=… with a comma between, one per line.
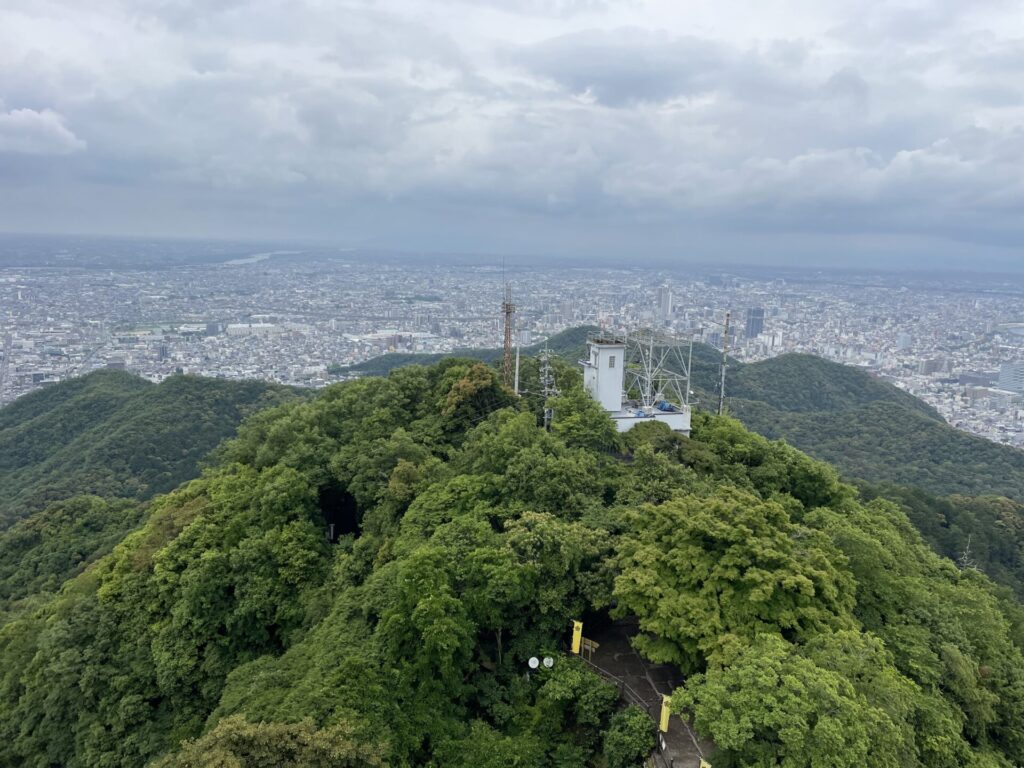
x=534, y=662
x=549, y=662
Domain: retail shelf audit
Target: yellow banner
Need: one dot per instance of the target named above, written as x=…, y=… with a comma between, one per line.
x=663, y=725
x=577, y=636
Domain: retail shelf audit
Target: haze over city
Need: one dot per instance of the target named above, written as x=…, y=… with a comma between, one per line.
x=833, y=134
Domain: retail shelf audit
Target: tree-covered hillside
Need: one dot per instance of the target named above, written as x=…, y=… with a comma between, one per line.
x=886, y=442
x=42, y=551
x=812, y=628
x=570, y=344
x=872, y=432
x=869, y=429
x=113, y=434
x=809, y=384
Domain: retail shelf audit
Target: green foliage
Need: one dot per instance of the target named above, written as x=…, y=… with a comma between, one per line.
x=114, y=434
x=40, y=553
x=872, y=431
x=236, y=743
x=629, y=738
x=985, y=532
x=708, y=574
x=772, y=706
x=816, y=628
x=581, y=422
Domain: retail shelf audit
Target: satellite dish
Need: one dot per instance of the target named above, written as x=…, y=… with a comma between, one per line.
x=548, y=662
x=534, y=662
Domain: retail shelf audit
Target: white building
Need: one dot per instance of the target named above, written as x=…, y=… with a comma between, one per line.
x=602, y=372
x=1011, y=377
x=664, y=301
x=603, y=377
x=252, y=329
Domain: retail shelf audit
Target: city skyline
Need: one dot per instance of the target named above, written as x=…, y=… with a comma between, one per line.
x=299, y=317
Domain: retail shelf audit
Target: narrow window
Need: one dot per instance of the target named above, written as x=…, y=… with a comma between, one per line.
x=611, y=361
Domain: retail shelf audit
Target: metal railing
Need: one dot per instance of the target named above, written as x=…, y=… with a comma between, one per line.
x=626, y=691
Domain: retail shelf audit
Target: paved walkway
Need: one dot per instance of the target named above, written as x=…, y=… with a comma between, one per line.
x=643, y=683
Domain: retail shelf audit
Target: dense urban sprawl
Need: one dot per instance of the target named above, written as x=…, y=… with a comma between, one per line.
x=300, y=317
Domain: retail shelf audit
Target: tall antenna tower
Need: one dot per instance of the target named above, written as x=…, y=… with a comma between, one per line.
x=508, y=309
x=725, y=364
x=548, y=388
x=5, y=366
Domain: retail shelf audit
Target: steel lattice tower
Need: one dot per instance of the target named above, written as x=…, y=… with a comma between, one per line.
x=508, y=309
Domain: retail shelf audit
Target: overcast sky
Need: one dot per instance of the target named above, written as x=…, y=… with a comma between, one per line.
x=825, y=131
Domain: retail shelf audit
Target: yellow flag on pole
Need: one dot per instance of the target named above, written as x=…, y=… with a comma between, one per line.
x=663, y=725
x=577, y=636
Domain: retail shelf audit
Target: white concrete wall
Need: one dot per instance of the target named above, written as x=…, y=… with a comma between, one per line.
x=603, y=374
x=677, y=421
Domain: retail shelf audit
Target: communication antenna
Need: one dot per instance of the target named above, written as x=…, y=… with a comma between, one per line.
x=5, y=365
x=508, y=309
x=725, y=364
x=548, y=388
x=658, y=369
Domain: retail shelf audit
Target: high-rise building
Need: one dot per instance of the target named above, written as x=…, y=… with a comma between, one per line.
x=932, y=365
x=664, y=299
x=755, y=322
x=1011, y=377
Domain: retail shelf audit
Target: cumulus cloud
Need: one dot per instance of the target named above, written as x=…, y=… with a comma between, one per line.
x=34, y=132
x=572, y=115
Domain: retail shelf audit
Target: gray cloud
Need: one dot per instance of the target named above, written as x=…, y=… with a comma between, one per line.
x=31, y=132
x=547, y=126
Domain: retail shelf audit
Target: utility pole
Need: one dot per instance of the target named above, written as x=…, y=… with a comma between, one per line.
x=689, y=368
x=517, y=368
x=725, y=363
x=547, y=386
x=508, y=309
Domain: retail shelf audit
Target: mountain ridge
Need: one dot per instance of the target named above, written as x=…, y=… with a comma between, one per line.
x=114, y=434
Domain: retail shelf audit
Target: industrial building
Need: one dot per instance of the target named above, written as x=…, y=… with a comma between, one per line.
x=655, y=391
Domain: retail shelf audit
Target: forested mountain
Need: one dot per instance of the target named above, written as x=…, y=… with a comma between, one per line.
x=808, y=384
x=869, y=429
x=114, y=434
x=874, y=433
x=570, y=344
x=812, y=627
x=42, y=551
x=948, y=482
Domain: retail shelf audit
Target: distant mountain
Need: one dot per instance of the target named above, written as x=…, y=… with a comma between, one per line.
x=809, y=384
x=570, y=344
x=868, y=428
x=888, y=442
x=116, y=435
